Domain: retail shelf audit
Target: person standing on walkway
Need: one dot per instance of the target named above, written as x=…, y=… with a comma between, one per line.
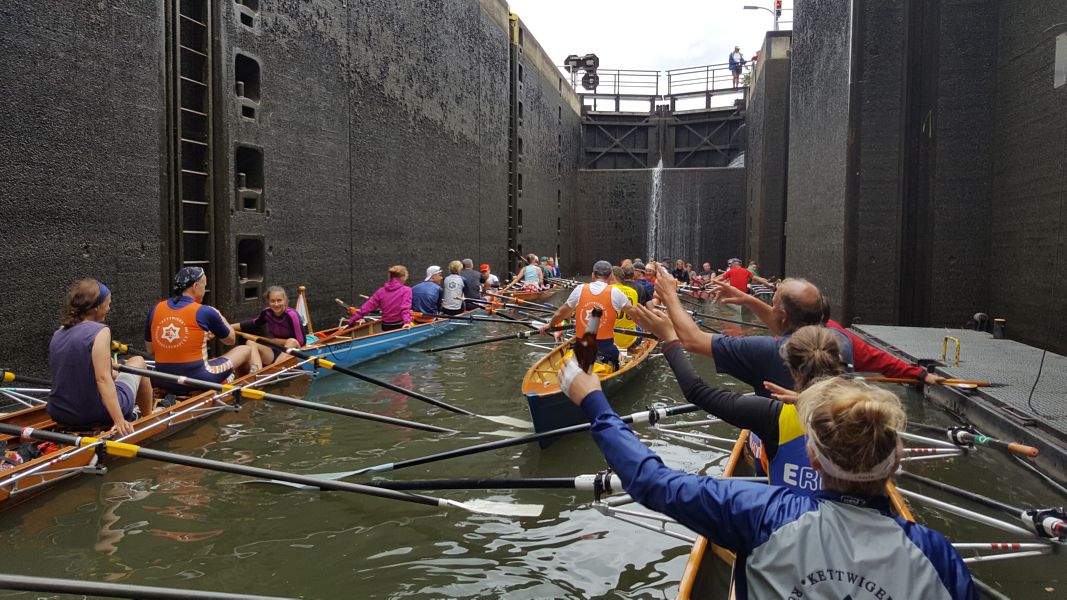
x=737, y=62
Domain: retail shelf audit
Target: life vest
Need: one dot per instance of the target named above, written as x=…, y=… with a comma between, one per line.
x=586, y=302
x=790, y=466
x=176, y=336
x=623, y=320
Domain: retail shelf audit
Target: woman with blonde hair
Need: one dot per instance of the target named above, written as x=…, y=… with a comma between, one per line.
x=811, y=353
x=452, y=293
x=394, y=300
x=841, y=542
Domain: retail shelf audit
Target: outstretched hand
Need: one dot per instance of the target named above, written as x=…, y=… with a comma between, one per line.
x=780, y=393
x=666, y=284
x=728, y=294
x=654, y=321
x=576, y=383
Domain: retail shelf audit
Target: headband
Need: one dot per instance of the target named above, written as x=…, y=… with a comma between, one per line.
x=880, y=471
x=104, y=293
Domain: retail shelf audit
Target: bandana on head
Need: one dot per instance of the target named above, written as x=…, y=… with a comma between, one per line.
x=829, y=467
x=185, y=279
x=104, y=293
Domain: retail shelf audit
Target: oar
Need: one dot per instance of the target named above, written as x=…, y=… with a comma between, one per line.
x=530, y=306
x=604, y=482
x=651, y=415
x=348, y=309
x=522, y=335
x=9, y=377
x=960, y=383
x=126, y=450
x=326, y=364
x=124, y=349
x=116, y=590
x=726, y=320
x=254, y=394
x=475, y=319
x=524, y=302
x=1048, y=522
x=966, y=436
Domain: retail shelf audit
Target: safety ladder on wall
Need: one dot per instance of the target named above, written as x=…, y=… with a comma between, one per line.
x=193, y=217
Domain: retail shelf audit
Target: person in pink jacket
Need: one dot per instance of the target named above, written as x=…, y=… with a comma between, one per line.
x=393, y=298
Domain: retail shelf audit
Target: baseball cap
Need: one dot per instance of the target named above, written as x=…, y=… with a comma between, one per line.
x=431, y=271
x=734, y=261
x=602, y=268
x=484, y=267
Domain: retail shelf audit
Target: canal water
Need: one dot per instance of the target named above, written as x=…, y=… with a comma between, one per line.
x=165, y=525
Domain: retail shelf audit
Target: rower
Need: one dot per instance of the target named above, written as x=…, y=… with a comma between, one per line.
x=533, y=279
x=681, y=273
x=643, y=294
x=426, y=295
x=282, y=324
x=452, y=295
x=394, y=300
x=623, y=340
x=867, y=358
x=739, y=277
x=553, y=268
x=488, y=280
x=835, y=544
x=753, y=359
x=581, y=302
x=811, y=353
x=178, y=330
x=86, y=391
x=642, y=281
x=472, y=284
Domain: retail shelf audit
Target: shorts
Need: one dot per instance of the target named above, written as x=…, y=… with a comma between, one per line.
x=216, y=370
x=126, y=385
x=392, y=326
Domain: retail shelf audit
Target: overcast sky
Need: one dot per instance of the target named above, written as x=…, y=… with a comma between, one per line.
x=668, y=34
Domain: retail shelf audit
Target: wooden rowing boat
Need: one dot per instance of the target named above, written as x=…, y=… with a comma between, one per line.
x=702, y=578
x=531, y=296
x=549, y=407
x=40, y=474
x=348, y=346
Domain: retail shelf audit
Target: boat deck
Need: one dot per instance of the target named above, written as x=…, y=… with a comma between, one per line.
x=1008, y=410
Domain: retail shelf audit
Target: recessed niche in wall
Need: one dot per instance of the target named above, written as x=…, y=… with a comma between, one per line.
x=246, y=76
x=250, y=267
x=522, y=37
x=520, y=111
x=247, y=12
x=520, y=146
x=520, y=182
x=248, y=178
x=520, y=73
x=1060, y=71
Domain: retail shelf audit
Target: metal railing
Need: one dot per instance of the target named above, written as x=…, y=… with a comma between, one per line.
x=654, y=87
x=694, y=81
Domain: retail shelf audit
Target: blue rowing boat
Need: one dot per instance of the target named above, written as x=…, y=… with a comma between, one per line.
x=350, y=346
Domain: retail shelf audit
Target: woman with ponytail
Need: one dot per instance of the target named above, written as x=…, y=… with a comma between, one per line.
x=841, y=542
x=778, y=439
x=86, y=392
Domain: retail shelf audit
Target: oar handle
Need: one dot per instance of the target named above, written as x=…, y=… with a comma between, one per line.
x=124, y=349
x=9, y=377
x=964, y=436
x=966, y=382
x=349, y=309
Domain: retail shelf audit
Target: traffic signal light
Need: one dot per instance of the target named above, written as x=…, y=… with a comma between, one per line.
x=777, y=8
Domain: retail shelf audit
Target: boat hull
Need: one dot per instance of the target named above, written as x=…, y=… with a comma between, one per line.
x=348, y=352
x=41, y=474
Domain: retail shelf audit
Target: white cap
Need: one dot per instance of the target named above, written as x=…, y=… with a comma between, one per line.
x=431, y=271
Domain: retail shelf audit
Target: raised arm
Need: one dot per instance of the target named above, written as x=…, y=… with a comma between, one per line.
x=693, y=338
x=728, y=294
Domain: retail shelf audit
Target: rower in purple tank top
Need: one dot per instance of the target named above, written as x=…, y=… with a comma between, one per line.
x=283, y=328
x=86, y=392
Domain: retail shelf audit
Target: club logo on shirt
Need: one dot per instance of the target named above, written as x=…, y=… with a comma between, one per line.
x=587, y=313
x=835, y=579
x=171, y=332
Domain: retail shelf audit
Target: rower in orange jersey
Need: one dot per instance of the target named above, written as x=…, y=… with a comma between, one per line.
x=597, y=293
x=180, y=327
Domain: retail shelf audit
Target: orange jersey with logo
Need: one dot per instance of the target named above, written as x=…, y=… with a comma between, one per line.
x=176, y=336
x=586, y=302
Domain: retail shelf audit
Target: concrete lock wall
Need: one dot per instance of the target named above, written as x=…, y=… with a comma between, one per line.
x=1028, y=220
x=766, y=159
x=701, y=216
x=383, y=130
x=81, y=165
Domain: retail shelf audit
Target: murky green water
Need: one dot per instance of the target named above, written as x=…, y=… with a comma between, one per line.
x=157, y=524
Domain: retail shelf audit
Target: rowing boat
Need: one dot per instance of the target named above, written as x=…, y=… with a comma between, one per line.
x=549, y=407
x=348, y=346
x=531, y=296
x=35, y=476
x=702, y=578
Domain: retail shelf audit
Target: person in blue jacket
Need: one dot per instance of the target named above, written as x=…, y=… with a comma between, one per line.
x=842, y=542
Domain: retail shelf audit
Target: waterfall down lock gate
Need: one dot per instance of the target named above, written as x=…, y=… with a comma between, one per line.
x=674, y=220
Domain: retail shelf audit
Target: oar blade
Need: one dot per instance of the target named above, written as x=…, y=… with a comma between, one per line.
x=499, y=509
x=509, y=421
